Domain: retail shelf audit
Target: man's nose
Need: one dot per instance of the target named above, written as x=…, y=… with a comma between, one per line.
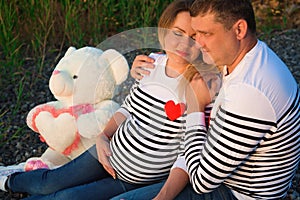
x=199, y=40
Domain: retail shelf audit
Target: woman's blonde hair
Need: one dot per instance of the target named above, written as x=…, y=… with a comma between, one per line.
x=166, y=21
x=168, y=17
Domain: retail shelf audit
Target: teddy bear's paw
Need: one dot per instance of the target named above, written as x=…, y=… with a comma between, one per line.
x=59, y=132
x=35, y=163
x=88, y=125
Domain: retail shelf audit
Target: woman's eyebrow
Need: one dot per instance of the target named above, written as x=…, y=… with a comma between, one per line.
x=180, y=29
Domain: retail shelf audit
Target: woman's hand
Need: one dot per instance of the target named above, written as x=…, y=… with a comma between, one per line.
x=140, y=65
x=175, y=183
x=103, y=139
x=103, y=152
x=197, y=94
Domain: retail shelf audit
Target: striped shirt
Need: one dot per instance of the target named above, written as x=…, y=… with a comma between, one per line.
x=146, y=145
x=252, y=144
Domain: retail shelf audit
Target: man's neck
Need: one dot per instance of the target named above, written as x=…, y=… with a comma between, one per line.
x=246, y=46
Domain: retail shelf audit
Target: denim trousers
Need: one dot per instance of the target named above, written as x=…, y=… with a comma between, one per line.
x=82, y=178
x=149, y=192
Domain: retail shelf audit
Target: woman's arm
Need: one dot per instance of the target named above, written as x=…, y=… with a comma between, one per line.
x=102, y=141
x=178, y=177
x=175, y=183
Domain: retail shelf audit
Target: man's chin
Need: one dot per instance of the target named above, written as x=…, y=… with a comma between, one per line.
x=208, y=60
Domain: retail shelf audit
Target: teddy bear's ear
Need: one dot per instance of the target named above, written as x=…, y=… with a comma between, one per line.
x=118, y=64
x=70, y=50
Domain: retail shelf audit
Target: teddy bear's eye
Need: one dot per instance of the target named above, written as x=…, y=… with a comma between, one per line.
x=75, y=77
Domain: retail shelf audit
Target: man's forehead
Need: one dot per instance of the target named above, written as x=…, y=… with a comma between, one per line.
x=209, y=16
x=200, y=21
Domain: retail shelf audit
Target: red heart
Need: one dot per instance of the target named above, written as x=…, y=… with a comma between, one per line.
x=174, y=111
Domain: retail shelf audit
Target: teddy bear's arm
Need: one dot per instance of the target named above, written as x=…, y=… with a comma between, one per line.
x=91, y=124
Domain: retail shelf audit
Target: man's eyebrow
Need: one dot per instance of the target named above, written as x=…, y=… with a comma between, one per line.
x=200, y=31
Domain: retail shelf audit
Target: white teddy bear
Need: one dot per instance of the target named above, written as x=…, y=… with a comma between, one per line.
x=83, y=82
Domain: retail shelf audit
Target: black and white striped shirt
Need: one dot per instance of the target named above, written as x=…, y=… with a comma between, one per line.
x=146, y=145
x=252, y=144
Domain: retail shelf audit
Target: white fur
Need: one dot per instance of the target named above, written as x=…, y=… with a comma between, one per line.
x=97, y=75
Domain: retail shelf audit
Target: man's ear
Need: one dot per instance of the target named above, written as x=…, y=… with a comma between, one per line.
x=241, y=28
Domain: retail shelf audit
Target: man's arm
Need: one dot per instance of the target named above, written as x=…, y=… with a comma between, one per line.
x=140, y=65
x=236, y=129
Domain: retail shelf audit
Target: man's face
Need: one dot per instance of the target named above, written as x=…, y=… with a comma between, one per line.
x=219, y=46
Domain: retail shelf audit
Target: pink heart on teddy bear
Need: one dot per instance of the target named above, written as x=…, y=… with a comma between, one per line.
x=58, y=129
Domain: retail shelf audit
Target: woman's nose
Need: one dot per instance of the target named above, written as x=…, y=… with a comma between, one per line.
x=187, y=41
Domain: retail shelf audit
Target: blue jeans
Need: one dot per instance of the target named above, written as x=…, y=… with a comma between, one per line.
x=149, y=192
x=82, y=178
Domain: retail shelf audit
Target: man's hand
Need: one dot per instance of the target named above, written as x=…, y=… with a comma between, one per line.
x=140, y=65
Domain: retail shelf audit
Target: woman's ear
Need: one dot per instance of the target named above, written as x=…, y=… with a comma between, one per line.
x=241, y=28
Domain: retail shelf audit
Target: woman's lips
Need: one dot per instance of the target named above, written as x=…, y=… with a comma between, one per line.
x=182, y=53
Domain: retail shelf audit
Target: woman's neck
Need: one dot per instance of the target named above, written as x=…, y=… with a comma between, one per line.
x=174, y=69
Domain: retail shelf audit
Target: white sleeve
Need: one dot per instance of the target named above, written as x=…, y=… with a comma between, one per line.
x=124, y=111
x=195, y=119
x=241, y=122
x=180, y=163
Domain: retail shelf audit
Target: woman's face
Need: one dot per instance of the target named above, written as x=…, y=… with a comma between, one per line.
x=178, y=42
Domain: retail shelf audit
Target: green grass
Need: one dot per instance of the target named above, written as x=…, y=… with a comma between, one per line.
x=9, y=40
x=275, y=15
x=30, y=30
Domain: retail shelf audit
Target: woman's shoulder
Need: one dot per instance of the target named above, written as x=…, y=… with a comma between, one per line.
x=158, y=56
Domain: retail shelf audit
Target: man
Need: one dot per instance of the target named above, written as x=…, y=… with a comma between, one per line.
x=253, y=141
x=252, y=147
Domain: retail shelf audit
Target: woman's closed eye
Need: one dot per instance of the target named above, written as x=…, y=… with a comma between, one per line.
x=177, y=33
x=180, y=34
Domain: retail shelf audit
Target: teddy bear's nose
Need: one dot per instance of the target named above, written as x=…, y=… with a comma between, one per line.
x=61, y=84
x=55, y=72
